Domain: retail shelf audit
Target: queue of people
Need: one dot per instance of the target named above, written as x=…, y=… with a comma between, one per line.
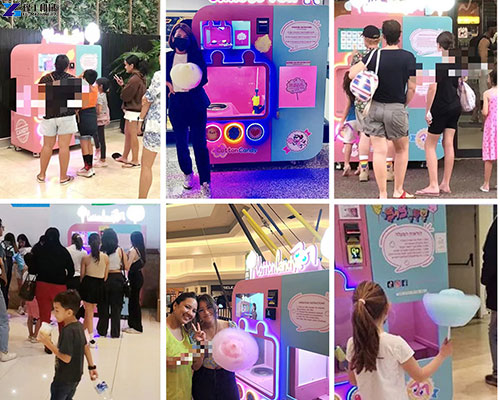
x=140, y=107
x=101, y=279
x=380, y=119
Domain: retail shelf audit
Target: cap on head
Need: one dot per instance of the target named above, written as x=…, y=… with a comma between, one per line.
x=371, y=32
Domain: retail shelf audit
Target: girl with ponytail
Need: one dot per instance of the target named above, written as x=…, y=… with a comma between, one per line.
x=378, y=360
x=94, y=273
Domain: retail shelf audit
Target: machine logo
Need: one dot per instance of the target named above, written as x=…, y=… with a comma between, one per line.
x=11, y=10
x=297, y=141
x=22, y=130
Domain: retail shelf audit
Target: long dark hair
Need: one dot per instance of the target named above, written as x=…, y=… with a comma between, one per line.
x=52, y=238
x=346, y=84
x=211, y=303
x=179, y=299
x=137, y=240
x=109, y=241
x=193, y=43
x=95, y=243
x=140, y=65
x=24, y=238
x=76, y=239
x=9, y=237
x=370, y=304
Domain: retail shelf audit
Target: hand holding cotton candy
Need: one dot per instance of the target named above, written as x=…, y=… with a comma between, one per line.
x=451, y=307
x=186, y=76
x=234, y=349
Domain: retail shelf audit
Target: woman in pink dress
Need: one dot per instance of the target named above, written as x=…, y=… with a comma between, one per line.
x=490, y=129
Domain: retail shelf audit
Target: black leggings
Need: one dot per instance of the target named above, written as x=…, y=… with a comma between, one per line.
x=100, y=141
x=134, y=305
x=214, y=384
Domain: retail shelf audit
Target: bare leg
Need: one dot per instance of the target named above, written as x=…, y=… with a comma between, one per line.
x=379, y=155
x=126, y=146
x=134, y=142
x=88, y=322
x=488, y=168
x=30, y=327
x=449, y=159
x=64, y=141
x=400, y=165
x=46, y=154
x=431, y=142
x=148, y=158
x=347, y=158
x=37, y=326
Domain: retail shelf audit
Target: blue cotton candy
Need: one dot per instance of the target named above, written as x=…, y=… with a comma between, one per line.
x=451, y=307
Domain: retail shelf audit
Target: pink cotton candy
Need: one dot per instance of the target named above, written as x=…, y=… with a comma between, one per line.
x=234, y=349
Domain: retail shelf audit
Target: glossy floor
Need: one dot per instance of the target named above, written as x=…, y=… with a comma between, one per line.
x=129, y=365
x=471, y=362
x=19, y=170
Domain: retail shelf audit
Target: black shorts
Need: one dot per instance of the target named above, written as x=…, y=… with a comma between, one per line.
x=92, y=289
x=444, y=120
x=87, y=122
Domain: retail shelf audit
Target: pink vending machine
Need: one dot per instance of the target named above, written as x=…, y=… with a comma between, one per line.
x=29, y=62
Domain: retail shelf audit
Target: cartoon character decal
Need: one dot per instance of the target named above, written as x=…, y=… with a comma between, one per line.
x=421, y=390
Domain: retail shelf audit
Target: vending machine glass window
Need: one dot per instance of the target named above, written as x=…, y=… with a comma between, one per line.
x=308, y=374
x=46, y=62
x=262, y=375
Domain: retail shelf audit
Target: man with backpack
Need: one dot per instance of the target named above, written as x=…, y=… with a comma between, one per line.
x=387, y=118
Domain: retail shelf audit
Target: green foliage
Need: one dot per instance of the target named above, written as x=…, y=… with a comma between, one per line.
x=152, y=57
x=113, y=16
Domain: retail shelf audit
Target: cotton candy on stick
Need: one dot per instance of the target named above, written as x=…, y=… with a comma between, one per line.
x=187, y=76
x=234, y=349
x=451, y=307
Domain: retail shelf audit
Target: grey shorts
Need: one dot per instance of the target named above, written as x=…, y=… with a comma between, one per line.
x=389, y=120
x=58, y=126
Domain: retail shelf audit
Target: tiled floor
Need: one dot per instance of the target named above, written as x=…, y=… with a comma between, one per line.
x=129, y=365
x=19, y=170
x=305, y=180
x=471, y=362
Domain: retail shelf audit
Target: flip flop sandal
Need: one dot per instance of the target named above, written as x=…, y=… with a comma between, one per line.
x=482, y=189
x=131, y=165
x=425, y=193
x=405, y=195
x=66, y=181
x=40, y=180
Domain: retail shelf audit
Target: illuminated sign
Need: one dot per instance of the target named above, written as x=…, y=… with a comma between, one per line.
x=259, y=1
x=76, y=36
x=302, y=259
x=401, y=6
x=468, y=20
x=134, y=213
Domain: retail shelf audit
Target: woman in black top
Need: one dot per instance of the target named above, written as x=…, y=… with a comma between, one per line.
x=188, y=108
x=53, y=266
x=442, y=114
x=59, y=120
x=136, y=260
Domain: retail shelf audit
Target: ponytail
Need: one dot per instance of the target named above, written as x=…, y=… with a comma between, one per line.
x=76, y=239
x=370, y=304
x=95, y=243
x=140, y=65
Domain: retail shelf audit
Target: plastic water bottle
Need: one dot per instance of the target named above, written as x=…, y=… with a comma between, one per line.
x=102, y=390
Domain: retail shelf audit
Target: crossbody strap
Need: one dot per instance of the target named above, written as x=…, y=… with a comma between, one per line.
x=370, y=58
x=377, y=64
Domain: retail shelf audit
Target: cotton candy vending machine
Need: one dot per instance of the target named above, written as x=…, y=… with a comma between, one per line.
x=402, y=248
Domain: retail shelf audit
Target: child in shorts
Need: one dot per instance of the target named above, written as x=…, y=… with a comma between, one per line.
x=87, y=122
x=103, y=120
x=349, y=129
x=71, y=348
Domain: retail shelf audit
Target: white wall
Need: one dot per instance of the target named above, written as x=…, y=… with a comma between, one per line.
x=33, y=220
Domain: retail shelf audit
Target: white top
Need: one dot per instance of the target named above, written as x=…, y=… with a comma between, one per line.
x=115, y=262
x=388, y=381
x=76, y=256
x=179, y=59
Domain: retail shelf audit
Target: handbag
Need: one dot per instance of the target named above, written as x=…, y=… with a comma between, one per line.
x=28, y=288
x=126, y=282
x=466, y=95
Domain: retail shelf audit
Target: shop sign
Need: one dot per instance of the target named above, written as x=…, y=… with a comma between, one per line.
x=401, y=6
x=270, y=2
x=134, y=213
x=302, y=259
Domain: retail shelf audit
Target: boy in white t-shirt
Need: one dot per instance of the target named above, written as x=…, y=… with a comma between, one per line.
x=378, y=360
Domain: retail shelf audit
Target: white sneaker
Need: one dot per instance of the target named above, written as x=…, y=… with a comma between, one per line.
x=206, y=193
x=87, y=173
x=100, y=164
x=188, y=181
x=92, y=344
x=4, y=357
x=20, y=310
x=33, y=340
